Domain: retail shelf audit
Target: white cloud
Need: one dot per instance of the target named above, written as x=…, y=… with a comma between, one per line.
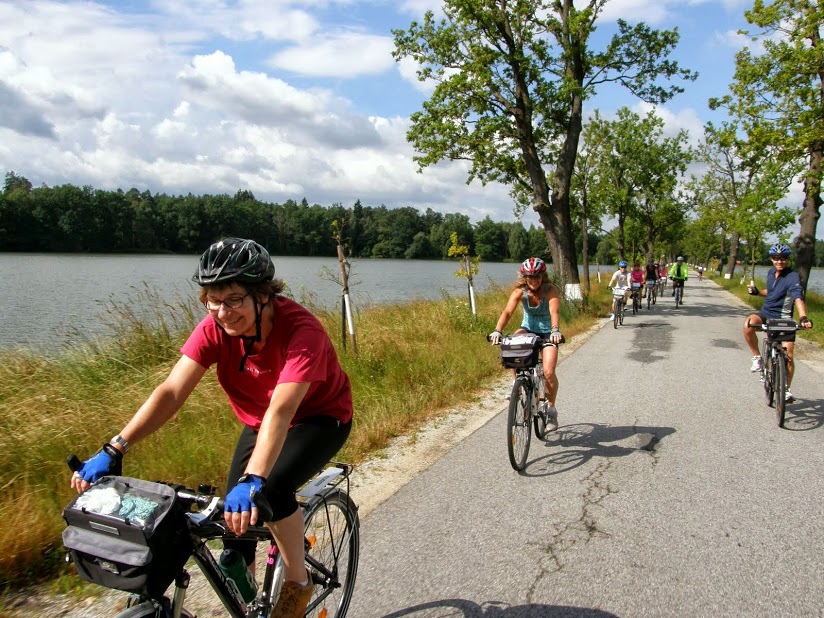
x=344, y=55
x=686, y=120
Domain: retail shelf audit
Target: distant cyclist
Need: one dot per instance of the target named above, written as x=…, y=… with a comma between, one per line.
x=541, y=303
x=700, y=273
x=651, y=278
x=784, y=293
x=636, y=279
x=620, y=279
x=678, y=274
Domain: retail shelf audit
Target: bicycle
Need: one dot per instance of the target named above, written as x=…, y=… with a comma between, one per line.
x=774, y=362
x=651, y=287
x=528, y=406
x=678, y=285
x=636, y=298
x=126, y=554
x=617, y=306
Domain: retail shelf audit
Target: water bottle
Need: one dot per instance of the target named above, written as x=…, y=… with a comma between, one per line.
x=234, y=568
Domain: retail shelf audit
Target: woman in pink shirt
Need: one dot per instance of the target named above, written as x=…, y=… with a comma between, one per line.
x=283, y=381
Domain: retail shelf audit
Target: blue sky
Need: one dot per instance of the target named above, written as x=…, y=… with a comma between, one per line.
x=288, y=99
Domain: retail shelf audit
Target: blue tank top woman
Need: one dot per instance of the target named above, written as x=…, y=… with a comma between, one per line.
x=536, y=319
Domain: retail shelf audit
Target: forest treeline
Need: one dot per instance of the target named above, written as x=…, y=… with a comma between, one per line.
x=68, y=218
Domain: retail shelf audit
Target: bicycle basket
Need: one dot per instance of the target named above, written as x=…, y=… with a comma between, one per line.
x=781, y=329
x=127, y=534
x=520, y=351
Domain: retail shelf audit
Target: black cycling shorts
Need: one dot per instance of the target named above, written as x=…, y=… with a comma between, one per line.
x=309, y=446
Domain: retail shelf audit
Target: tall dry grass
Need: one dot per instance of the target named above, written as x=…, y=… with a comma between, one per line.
x=412, y=361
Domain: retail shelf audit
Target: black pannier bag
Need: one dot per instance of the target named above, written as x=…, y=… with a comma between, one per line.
x=522, y=350
x=781, y=329
x=127, y=534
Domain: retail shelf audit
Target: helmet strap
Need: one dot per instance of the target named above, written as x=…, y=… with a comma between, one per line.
x=249, y=342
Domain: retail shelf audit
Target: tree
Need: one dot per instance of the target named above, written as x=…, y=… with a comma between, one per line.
x=511, y=80
x=634, y=171
x=490, y=240
x=778, y=96
x=749, y=179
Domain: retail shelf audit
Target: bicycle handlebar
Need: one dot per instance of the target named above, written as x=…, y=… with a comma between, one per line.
x=202, y=501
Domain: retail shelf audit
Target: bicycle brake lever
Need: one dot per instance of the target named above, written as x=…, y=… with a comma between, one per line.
x=264, y=508
x=74, y=463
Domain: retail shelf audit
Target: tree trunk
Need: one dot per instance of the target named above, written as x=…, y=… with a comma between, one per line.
x=808, y=219
x=585, y=254
x=735, y=240
x=721, y=250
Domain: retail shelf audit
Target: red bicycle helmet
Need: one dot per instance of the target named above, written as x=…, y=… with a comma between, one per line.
x=532, y=266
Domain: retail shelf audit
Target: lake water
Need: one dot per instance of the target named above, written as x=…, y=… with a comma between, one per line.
x=52, y=300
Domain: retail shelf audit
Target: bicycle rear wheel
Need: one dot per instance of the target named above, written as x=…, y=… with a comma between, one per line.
x=332, y=528
x=518, y=424
x=780, y=387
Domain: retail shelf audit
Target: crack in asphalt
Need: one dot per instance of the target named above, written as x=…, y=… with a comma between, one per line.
x=582, y=530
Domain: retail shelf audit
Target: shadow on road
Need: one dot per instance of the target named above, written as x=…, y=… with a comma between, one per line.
x=584, y=441
x=461, y=608
x=804, y=415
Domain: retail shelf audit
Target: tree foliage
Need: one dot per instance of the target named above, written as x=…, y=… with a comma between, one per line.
x=778, y=97
x=68, y=218
x=511, y=78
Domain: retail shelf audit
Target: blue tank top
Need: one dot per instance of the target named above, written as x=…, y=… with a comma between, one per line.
x=536, y=319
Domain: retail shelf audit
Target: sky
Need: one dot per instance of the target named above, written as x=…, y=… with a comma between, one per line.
x=288, y=99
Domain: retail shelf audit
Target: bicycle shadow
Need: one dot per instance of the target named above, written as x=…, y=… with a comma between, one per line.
x=462, y=608
x=584, y=441
x=804, y=415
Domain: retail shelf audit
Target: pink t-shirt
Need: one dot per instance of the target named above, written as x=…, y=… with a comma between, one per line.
x=297, y=349
x=637, y=276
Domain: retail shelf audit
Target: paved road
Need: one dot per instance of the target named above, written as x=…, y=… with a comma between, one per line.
x=667, y=491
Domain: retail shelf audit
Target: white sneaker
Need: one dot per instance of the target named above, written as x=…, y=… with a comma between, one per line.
x=551, y=419
x=611, y=316
x=788, y=396
x=756, y=364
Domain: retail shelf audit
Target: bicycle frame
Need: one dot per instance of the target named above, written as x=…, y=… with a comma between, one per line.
x=775, y=365
x=204, y=525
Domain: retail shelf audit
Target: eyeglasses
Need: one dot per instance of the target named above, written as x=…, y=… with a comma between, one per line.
x=533, y=276
x=233, y=302
x=779, y=258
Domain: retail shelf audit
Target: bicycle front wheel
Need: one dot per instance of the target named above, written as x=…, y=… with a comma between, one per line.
x=616, y=304
x=332, y=530
x=518, y=430
x=767, y=373
x=150, y=609
x=780, y=387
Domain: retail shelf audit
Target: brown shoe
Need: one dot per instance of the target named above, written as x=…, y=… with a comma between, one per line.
x=293, y=600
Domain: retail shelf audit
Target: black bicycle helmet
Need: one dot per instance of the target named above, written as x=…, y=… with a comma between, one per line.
x=234, y=259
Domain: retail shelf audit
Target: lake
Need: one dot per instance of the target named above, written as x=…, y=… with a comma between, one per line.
x=53, y=300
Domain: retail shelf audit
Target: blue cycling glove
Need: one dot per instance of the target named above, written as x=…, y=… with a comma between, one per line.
x=240, y=498
x=107, y=460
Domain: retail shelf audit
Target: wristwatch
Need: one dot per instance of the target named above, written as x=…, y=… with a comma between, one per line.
x=118, y=439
